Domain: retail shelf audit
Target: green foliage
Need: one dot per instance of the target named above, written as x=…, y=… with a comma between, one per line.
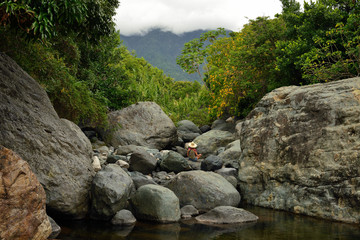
x=70, y=96
x=242, y=68
x=337, y=55
x=44, y=19
x=321, y=42
x=194, y=52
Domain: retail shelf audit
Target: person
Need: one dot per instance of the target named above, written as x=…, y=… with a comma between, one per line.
x=192, y=152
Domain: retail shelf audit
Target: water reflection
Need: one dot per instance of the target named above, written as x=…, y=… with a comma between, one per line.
x=271, y=225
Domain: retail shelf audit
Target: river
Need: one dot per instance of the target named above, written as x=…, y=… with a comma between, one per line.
x=272, y=225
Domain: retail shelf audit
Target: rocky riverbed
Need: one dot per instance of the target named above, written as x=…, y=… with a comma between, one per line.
x=296, y=151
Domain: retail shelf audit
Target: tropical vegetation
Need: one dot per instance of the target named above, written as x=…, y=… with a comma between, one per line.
x=72, y=49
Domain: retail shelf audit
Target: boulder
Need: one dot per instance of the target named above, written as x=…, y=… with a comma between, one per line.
x=123, y=164
x=123, y=218
x=162, y=177
x=57, y=150
x=96, y=163
x=140, y=179
x=209, y=142
x=174, y=162
x=156, y=203
x=231, y=155
x=211, y=163
x=110, y=192
x=227, y=215
x=113, y=158
x=301, y=151
x=188, y=126
x=143, y=162
x=204, y=190
x=205, y=129
x=224, y=125
x=22, y=200
x=188, y=211
x=142, y=124
x=128, y=149
x=187, y=130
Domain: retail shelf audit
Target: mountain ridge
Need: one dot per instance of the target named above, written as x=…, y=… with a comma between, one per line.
x=160, y=48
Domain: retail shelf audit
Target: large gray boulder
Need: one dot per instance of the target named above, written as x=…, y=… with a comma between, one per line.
x=156, y=203
x=141, y=124
x=211, y=163
x=143, y=162
x=56, y=150
x=227, y=215
x=301, y=151
x=209, y=142
x=110, y=192
x=204, y=190
x=174, y=162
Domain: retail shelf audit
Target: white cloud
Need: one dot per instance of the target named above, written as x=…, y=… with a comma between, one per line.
x=178, y=16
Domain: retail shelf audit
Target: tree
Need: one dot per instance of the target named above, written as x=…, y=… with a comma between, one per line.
x=194, y=52
x=242, y=68
x=320, y=41
x=44, y=19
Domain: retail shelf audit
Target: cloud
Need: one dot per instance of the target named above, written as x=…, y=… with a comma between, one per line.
x=178, y=16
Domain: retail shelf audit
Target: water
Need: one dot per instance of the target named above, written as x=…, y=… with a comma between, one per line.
x=271, y=225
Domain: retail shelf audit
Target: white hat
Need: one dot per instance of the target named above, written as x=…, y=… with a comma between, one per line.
x=192, y=145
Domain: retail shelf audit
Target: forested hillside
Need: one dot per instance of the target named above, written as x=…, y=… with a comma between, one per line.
x=160, y=48
x=71, y=47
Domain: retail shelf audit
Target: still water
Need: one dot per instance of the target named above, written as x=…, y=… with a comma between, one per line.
x=274, y=225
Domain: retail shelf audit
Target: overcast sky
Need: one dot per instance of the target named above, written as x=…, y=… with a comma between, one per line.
x=178, y=16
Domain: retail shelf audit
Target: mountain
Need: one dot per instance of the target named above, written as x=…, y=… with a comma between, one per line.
x=160, y=48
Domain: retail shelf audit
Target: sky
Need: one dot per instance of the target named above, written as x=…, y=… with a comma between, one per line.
x=179, y=16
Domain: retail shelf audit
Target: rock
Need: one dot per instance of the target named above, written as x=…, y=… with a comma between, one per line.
x=227, y=215
x=128, y=149
x=56, y=229
x=57, y=150
x=188, y=126
x=123, y=164
x=205, y=128
x=233, y=180
x=230, y=174
x=162, y=177
x=182, y=151
x=112, y=158
x=110, y=191
x=204, y=190
x=96, y=164
x=143, y=162
x=209, y=142
x=22, y=200
x=174, y=162
x=142, y=124
x=227, y=172
x=231, y=155
x=187, y=130
x=301, y=151
x=123, y=218
x=156, y=203
x=224, y=125
x=238, y=128
x=140, y=179
x=211, y=163
x=188, y=211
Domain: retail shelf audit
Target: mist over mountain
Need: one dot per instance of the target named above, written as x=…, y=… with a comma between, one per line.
x=160, y=48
